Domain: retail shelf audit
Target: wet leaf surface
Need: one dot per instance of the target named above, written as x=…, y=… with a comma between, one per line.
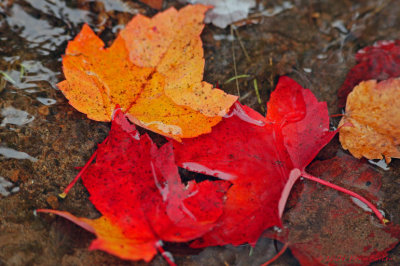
x=137, y=189
x=369, y=127
x=153, y=71
x=380, y=61
x=313, y=42
x=326, y=227
x=261, y=156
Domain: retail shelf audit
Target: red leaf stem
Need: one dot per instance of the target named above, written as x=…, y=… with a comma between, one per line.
x=280, y=253
x=166, y=255
x=81, y=172
x=351, y=193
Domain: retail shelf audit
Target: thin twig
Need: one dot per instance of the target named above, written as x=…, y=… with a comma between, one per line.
x=258, y=94
x=234, y=63
x=236, y=77
x=241, y=44
x=8, y=77
x=271, y=77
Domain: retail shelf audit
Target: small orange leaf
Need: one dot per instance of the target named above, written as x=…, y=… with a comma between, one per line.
x=153, y=71
x=370, y=127
x=110, y=237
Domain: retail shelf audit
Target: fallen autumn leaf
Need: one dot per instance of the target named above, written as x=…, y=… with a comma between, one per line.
x=153, y=71
x=370, y=126
x=137, y=189
x=262, y=156
x=379, y=61
x=322, y=227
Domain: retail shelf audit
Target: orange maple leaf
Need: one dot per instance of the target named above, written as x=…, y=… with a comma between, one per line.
x=370, y=127
x=111, y=238
x=153, y=71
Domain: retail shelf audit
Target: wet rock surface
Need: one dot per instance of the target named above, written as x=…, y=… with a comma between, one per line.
x=43, y=139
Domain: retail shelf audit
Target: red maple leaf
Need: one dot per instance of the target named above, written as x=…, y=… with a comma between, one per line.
x=325, y=228
x=380, y=61
x=138, y=190
x=262, y=156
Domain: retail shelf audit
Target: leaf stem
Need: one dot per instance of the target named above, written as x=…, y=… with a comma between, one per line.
x=68, y=188
x=351, y=193
x=83, y=169
x=166, y=255
x=234, y=64
x=280, y=253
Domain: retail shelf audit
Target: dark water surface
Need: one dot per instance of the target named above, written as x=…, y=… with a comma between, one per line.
x=42, y=138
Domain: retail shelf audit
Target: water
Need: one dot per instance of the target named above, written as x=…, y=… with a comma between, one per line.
x=13, y=154
x=42, y=138
x=15, y=117
x=7, y=188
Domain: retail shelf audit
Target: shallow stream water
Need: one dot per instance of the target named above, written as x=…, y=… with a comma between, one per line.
x=43, y=138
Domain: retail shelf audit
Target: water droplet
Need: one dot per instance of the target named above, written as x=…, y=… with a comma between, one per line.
x=46, y=101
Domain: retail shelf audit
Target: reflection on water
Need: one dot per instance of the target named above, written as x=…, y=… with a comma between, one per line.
x=117, y=5
x=380, y=163
x=46, y=101
x=7, y=188
x=277, y=9
x=13, y=154
x=15, y=117
x=28, y=74
x=37, y=34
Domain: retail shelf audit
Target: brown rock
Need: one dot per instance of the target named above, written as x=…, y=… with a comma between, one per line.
x=52, y=201
x=15, y=175
x=44, y=110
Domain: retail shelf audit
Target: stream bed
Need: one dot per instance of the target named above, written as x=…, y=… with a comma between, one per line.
x=43, y=139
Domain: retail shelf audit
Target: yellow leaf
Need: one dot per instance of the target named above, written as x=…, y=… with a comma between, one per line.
x=370, y=127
